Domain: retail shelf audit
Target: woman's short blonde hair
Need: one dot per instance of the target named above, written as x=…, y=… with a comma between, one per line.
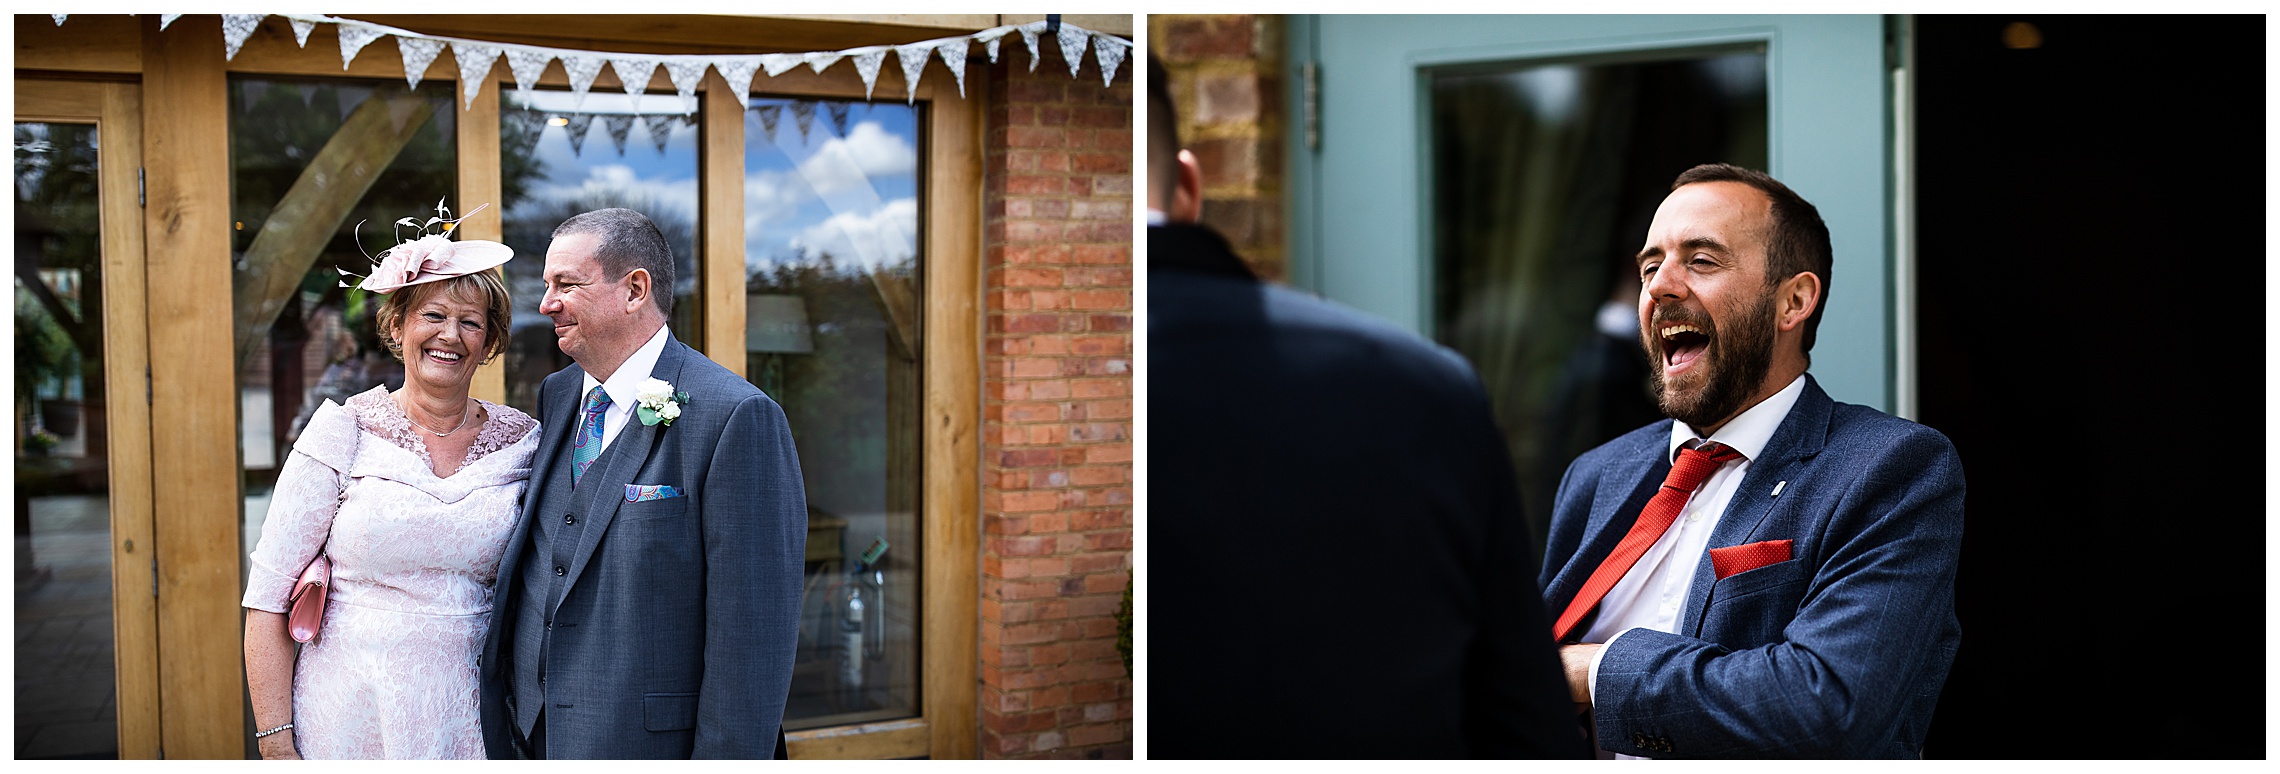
x=483, y=287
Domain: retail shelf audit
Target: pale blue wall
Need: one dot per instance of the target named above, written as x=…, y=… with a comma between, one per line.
x=1358, y=206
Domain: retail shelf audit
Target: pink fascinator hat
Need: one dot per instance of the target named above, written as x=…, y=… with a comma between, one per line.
x=433, y=256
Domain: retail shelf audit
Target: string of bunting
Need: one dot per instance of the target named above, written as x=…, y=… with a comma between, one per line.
x=476, y=57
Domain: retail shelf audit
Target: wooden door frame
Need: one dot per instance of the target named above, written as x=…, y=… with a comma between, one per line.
x=116, y=111
x=185, y=80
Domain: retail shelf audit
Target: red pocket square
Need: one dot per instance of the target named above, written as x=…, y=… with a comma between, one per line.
x=1734, y=560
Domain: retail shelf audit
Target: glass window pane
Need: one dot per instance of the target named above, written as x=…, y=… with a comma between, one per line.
x=1545, y=178
x=646, y=163
x=65, y=664
x=310, y=160
x=832, y=334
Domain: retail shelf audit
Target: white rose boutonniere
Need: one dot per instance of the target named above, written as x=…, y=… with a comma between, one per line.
x=659, y=403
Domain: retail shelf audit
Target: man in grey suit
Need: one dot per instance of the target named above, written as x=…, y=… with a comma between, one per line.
x=648, y=602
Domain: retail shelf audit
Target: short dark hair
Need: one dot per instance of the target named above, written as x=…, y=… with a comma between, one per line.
x=483, y=287
x=1163, y=133
x=1798, y=241
x=629, y=241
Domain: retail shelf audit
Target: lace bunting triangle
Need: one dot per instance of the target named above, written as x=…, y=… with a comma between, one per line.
x=583, y=70
x=1073, y=47
x=475, y=60
x=236, y=27
x=527, y=64
x=418, y=54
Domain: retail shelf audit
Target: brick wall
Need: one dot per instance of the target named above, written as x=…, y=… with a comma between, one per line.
x=1227, y=82
x=1056, y=410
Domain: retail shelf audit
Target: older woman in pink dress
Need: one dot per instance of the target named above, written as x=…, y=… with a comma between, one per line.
x=411, y=495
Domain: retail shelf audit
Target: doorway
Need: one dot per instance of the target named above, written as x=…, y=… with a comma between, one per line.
x=86, y=605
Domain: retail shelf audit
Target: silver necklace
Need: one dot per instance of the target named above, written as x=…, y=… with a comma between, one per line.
x=464, y=416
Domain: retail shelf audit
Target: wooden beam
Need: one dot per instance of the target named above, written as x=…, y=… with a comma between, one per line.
x=720, y=173
x=312, y=211
x=195, y=430
x=868, y=741
x=126, y=350
x=479, y=185
x=116, y=111
x=110, y=43
x=950, y=499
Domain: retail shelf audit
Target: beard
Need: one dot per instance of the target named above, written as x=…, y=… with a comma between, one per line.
x=1735, y=363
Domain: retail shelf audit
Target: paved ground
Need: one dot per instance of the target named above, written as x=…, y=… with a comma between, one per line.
x=65, y=691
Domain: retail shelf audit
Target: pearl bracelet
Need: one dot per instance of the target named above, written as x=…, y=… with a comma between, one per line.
x=260, y=734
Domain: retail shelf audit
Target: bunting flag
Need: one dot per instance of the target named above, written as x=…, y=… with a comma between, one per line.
x=579, y=124
x=619, y=126
x=1073, y=48
x=634, y=74
x=660, y=130
x=1029, y=36
x=475, y=60
x=353, y=39
x=1110, y=55
x=582, y=70
x=818, y=60
x=527, y=64
x=418, y=54
x=686, y=74
x=769, y=115
x=954, y=56
x=59, y=17
x=738, y=73
x=476, y=57
x=778, y=63
x=803, y=114
x=236, y=27
x=867, y=66
x=838, y=111
x=913, y=58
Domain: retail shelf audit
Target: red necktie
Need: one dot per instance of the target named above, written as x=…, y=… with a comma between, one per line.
x=1694, y=464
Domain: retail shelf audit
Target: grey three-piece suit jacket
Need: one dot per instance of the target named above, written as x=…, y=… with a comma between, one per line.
x=660, y=628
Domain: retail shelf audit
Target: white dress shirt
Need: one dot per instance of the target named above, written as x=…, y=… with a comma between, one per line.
x=622, y=384
x=1653, y=592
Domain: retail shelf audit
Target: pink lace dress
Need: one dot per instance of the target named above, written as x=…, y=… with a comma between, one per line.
x=392, y=673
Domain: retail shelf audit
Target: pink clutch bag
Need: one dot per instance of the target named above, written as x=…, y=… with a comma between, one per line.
x=307, y=611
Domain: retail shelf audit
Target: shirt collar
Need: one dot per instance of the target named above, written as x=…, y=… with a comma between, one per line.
x=1156, y=217
x=1749, y=431
x=635, y=370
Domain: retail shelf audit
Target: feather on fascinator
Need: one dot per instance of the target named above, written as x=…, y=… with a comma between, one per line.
x=433, y=256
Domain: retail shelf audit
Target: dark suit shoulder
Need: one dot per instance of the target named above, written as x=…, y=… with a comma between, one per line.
x=1856, y=430
x=719, y=383
x=1215, y=321
x=1648, y=440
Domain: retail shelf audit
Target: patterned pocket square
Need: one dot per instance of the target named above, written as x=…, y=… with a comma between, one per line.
x=635, y=493
x=1735, y=560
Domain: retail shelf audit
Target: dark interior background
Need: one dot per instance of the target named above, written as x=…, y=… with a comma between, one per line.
x=2092, y=254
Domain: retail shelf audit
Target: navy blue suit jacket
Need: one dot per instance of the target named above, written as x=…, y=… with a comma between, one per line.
x=1340, y=565
x=675, y=637
x=1838, y=652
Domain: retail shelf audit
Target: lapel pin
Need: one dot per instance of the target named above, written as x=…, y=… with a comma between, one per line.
x=1777, y=487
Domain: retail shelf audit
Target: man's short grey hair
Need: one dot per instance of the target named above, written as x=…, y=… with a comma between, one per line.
x=628, y=241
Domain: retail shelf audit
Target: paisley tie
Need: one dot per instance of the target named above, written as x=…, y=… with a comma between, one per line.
x=589, y=442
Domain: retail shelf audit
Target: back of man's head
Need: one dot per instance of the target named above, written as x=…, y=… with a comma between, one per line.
x=1163, y=137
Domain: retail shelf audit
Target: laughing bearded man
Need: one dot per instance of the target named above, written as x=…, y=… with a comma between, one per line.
x=1769, y=573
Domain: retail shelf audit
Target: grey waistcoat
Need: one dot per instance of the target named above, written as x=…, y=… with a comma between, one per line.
x=556, y=530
